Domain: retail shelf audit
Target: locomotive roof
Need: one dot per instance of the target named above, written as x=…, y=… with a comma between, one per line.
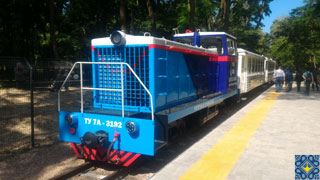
x=133, y=39
x=142, y=40
x=204, y=34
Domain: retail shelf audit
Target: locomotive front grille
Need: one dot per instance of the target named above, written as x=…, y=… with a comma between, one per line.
x=109, y=77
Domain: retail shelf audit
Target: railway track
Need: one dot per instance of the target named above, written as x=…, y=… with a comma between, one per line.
x=87, y=171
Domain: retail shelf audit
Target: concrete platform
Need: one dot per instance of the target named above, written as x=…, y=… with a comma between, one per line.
x=258, y=142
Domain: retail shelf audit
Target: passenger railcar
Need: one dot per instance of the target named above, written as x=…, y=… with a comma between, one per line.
x=251, y=70
x=269, y=68
x=141, y=86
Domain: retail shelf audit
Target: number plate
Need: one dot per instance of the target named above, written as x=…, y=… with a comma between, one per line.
x=98, y=122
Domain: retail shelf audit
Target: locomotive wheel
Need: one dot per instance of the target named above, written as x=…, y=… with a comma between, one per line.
x=177, y=128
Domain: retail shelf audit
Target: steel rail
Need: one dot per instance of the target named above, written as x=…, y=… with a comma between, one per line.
x=74, y=171
x=118, y=174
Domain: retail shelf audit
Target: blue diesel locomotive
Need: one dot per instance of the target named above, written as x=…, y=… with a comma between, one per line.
x=142, y=86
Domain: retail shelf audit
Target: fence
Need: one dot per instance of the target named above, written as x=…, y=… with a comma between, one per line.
x=15, y=104
x=28, y=109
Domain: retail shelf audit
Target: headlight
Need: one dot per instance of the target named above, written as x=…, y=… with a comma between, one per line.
x=69, y=119
x=118, y=38
x=72, y=120
x=131, y=127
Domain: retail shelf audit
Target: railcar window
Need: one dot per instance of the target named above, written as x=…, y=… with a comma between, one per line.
x=250, y=65
x=270, y=67
x=231, y=47
x=243, y=66
x=213, y=43
x=185, y=40
x=259, y=65
x=253, y=65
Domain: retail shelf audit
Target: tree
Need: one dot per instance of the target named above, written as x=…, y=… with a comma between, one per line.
x=151, y=14
x=191, y=7
x=52, y=30
x=63, y=29
x=294, y=38
x=123, y=14
x=264, y=9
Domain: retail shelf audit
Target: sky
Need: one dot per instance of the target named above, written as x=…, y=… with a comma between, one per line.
x=279, y=8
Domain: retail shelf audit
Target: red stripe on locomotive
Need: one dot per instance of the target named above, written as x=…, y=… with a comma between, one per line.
x=100, y=154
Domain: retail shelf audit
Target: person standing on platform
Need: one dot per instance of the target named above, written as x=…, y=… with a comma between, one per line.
x=279, y=77
x=308, y=79
x=298, y=79
x=289, y=79
x=315, y=80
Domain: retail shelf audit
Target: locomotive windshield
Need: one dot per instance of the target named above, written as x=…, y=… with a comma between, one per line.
x=212, y=43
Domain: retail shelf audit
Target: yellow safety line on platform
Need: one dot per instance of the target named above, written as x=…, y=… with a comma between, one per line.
x=220, y=159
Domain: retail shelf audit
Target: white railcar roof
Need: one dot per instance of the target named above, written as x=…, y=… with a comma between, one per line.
x=273, y=61
x=243, y=52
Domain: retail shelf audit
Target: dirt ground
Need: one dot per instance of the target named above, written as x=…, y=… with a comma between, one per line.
x=39, y=163
x=15, y=120
x=16, y=161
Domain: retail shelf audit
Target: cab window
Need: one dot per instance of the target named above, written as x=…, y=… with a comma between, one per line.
x=212, y=43
x=231, y=46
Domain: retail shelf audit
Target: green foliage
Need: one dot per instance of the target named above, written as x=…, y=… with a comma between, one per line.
x=295, y=41
x=27, y=28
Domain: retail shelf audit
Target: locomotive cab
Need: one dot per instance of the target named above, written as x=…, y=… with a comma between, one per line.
x=224, y=68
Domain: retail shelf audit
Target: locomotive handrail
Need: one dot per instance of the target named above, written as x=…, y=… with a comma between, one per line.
x=102, y=89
